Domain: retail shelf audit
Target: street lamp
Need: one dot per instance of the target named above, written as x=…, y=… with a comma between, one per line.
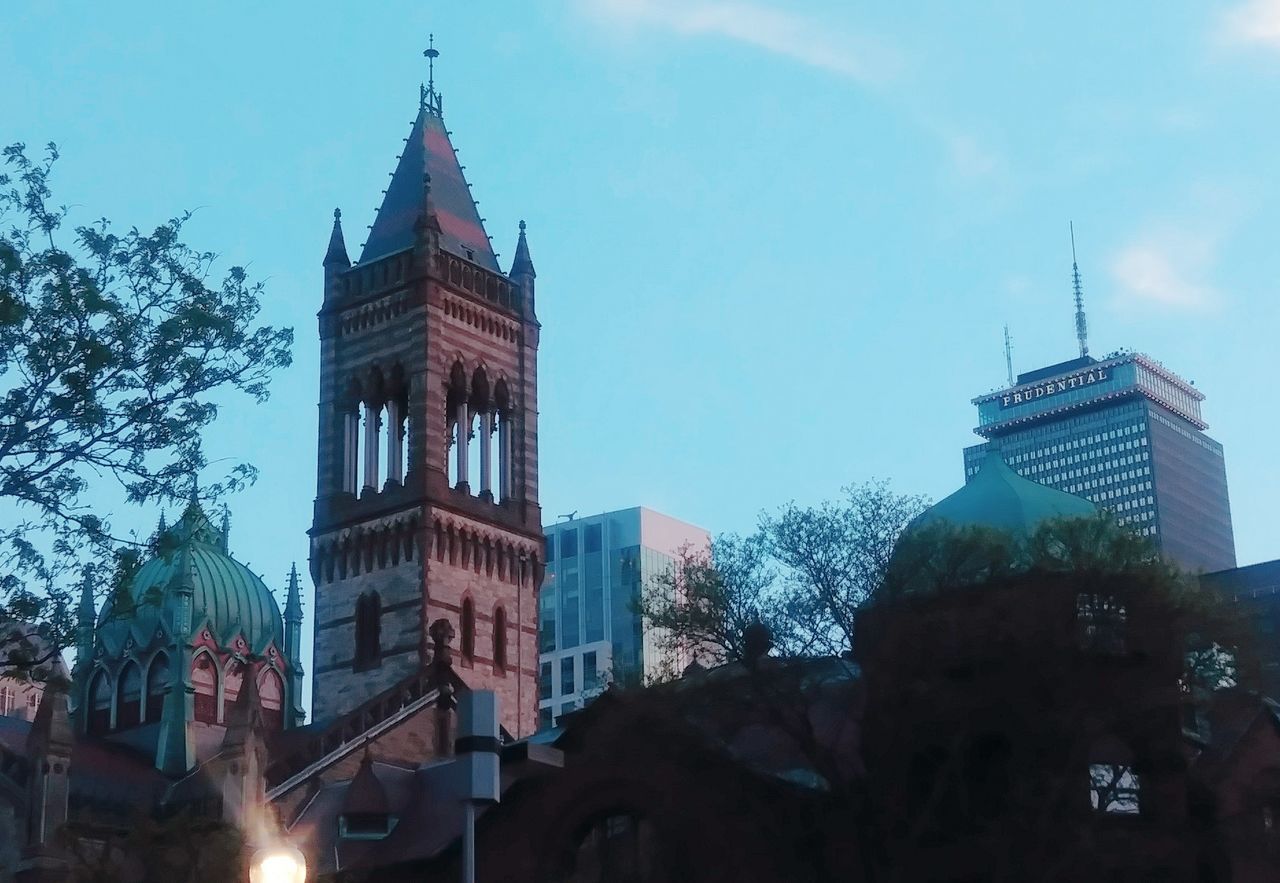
x=278, y=864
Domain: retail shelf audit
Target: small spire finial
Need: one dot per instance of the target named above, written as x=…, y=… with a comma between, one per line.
x=428, y=97
x=521, y=226
x=337, y=214
x=1082, y=326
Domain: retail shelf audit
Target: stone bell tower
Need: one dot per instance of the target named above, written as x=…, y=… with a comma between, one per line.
x=427, y=489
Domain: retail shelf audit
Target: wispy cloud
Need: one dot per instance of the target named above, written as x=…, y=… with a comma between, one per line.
x=1254, y=22
x=1167, y=267
x=784, y=33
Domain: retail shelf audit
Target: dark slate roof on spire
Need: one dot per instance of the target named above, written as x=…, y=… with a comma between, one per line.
x=522, y=263
x=461, y=230
x=337, y=253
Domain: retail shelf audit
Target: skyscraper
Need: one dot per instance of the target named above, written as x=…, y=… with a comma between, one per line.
x=588, y=629
x=1123, y=432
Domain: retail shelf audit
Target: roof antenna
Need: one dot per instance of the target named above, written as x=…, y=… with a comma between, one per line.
x=1082, y=327
x=428, y=97
x=1008, y=354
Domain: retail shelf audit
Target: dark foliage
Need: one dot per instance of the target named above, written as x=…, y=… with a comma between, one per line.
x=113, y=348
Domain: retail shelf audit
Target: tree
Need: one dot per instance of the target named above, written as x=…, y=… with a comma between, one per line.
x=113, y=348
x=803, y=573
x=179, y=847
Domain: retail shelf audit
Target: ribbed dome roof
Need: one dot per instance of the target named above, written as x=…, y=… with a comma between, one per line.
x=1001, y=498
x=230, y=595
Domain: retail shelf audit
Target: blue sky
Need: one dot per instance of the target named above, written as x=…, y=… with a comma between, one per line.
x=776, y=242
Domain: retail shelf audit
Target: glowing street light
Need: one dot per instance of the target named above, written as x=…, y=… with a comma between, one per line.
x=278, y=864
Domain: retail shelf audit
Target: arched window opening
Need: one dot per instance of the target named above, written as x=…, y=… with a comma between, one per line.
x=359, y=447
x=271, y=696
x=473, y=477
x=500, y=639
x=1114, y=787
x=129, y=698
x=502, y=416
x=100, y=703
x=157, y=685
x=233, y=682
x=451, y=450
x=370, y=454
x=468, y=622
x=204, y=678
x=389, y=448
x=368, y=651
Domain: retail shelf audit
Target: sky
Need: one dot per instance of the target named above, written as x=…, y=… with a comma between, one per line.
x=776, y=242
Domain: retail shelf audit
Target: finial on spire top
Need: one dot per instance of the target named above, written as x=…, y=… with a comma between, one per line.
x=337, y=214
x=522, y=226
x=1082, y=326
x=428, y=97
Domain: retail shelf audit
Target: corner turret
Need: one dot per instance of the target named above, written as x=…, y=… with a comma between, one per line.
x=523, y=274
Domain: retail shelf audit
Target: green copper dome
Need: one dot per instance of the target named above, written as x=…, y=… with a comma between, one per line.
x=227, y=596
x=1000, y=498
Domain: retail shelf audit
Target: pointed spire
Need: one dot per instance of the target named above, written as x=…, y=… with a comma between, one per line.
x=429, y=99
x=336, y=256
x=1082, y=327
x=50, y=732
x=224, y=539
x=86, y=621
x=522, y=264
x=293, y=604
x=175, y=744
x=161, y=525
x=244, y=718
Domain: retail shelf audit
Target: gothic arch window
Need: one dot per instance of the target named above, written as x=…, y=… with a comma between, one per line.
x=204, y=678
x=129, y=696
x=271, y=697
x=368, y=651
x=100, y=703
x=500, y=639
x=157, y=684
x=232, y=684
x=468, y=629
x=502, y=408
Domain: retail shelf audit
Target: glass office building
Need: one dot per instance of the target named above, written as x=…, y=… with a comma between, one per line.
x=1125, y=433
x=588, y=630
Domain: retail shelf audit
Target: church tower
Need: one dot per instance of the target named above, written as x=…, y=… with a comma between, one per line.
x=427, y=489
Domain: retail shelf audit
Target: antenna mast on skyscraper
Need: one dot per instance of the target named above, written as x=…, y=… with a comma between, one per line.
x=1082, y=327
x=1008, y=354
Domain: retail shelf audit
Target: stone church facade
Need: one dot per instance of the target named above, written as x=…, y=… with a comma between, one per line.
x=427, y=487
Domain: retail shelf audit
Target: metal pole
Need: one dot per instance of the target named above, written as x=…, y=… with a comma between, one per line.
x=469, y=842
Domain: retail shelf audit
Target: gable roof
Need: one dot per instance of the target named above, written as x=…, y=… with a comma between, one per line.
x=429, y=151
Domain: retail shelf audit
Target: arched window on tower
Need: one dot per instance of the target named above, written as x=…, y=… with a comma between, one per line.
x=500, y=639
x=129, y=698
x=204, y=678
x=157, y=685
x=271, y=695
x=368, y=650
x=100, y=703
x=468, y=629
